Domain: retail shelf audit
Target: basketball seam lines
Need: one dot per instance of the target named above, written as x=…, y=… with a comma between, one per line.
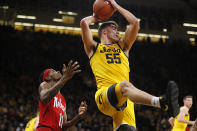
x=102, y=8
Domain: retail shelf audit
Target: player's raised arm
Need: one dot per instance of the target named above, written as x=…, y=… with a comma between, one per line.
x=131, y=31
x=89, y=43
x=45, y=92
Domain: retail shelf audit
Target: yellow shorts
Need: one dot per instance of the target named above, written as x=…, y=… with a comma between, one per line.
x=111, y=102
x=178, y=129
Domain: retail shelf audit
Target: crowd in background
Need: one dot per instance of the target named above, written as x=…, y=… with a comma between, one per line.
x=25, y=54
x=152, y=18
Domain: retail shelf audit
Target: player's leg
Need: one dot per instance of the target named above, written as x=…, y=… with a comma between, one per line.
x=103, y=103
x=111, y=102
x=125, y=120
x=169, y=101
x=134, y=94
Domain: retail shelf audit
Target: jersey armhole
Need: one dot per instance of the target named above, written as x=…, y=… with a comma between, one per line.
x=122, y=50
x=94, y=50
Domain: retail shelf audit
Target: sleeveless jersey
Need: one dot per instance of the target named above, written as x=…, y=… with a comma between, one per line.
x=179, y=126
x=51, y=114
x=110, y=65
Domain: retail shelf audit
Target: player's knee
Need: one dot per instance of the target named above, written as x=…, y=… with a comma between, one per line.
x=124, y=83
x=125, y=87
x=126, y=127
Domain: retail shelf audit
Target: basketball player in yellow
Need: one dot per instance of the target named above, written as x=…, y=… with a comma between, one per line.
x=33, y=123
x=180, y=122
x=115, y=95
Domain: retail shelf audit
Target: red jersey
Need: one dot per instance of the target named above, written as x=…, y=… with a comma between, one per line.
x=51, y=115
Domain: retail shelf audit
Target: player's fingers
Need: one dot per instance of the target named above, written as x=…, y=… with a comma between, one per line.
x=82, y=103
x=82, y=108
x=77, y=71
x=69, y=64
x=64, y=66
x=74, y=64
x=85, y=104
x=109, y=1
x=76, y=67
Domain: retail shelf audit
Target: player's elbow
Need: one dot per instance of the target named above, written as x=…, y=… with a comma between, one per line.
x=135, y=24
x=83, y=23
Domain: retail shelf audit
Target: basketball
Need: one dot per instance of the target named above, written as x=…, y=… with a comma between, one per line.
x=103, y=9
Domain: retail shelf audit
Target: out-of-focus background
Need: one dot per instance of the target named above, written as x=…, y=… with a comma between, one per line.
x=40, y=34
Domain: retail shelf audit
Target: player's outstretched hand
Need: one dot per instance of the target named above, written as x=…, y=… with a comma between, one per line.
x=82, y=109
x=194, y=127
x=70, y=70
x=113, y=3
x=96, y=19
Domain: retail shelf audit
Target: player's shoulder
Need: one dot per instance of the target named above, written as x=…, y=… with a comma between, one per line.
x=44, y=85
x=184, y=109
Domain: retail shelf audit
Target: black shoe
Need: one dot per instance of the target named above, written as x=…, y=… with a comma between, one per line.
x=163, y=103
x=169, y=101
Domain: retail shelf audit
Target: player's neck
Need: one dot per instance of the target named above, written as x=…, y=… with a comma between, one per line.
x=186, y=107
x=105, y=40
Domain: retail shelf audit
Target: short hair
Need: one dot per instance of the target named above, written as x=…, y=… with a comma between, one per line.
x=104, y=25
x=188, y=96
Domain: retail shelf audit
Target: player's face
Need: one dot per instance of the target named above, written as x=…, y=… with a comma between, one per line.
x=113, y=33
x=188, y=102
x=55, y=75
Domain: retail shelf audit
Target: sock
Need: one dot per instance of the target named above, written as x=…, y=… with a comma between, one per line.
x=155, y=102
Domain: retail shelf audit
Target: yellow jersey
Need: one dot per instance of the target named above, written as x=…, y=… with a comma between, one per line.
x=180, y=126
x=31, y=124
x=110, y=65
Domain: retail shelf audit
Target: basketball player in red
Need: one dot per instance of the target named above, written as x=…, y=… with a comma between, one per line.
x=52, y=105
